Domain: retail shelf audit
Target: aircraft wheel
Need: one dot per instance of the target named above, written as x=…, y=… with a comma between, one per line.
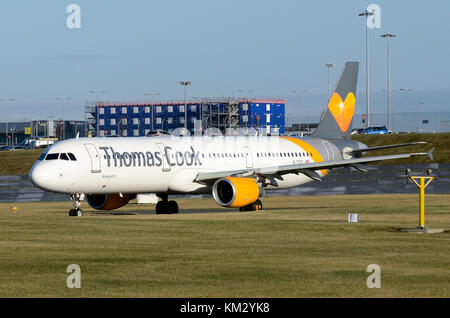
x=72, y=212
x=166, y=207
x=160, y=207
x=79, y=212
x=172, y=207
x=259, y=205
x=255, y=206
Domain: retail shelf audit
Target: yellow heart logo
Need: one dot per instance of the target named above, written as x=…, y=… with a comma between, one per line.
x=342, y=111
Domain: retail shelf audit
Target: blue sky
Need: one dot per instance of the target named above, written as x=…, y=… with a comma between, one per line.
x=128, y=48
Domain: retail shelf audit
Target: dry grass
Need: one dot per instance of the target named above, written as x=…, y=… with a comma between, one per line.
x=296, y=247
x=18, y=162
x=440, y=141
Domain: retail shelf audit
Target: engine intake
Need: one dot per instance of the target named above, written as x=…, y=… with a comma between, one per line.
x=108, y=201
x=234, y=192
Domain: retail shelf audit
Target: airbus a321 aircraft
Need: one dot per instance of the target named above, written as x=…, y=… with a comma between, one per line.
x=236, y=170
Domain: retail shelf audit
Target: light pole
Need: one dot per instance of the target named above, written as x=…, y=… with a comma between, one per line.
x=6, y=100
x=245, y=92
x=367, y=14
x=185, y=84
x=388, y=35
x=62, y=100
x=98, y=93
x=151, y=102
x=405, y=90
x=329, y=66
x=299, y=92
x=418, y=105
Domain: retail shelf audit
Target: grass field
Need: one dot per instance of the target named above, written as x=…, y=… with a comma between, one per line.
x=441, y=142
x=296, y=247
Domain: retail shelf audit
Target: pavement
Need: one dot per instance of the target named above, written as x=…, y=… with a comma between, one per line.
x=383, y=179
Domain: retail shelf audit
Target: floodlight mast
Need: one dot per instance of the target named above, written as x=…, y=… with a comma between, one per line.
x=185, y=83
x=367, y=14
x=388, y=35
x=6, y=100
x=329, y=66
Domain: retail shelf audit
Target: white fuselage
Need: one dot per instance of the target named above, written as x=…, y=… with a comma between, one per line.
x=165, y=164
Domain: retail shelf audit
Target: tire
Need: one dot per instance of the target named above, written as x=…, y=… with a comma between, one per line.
x=166, y=207
x=79, y=212
x=160, y=207
x=259, y=205
x=72, y=212
x=172, y=207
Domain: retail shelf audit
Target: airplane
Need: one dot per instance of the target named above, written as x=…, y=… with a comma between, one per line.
x=237, y=170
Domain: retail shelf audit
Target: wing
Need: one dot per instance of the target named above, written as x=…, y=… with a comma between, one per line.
x=359, y=152
x=308, y=169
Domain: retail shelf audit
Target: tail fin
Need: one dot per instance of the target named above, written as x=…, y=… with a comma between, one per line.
x=336, y=121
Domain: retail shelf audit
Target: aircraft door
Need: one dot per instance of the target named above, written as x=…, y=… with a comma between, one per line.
x=95, y=158
x=248, y=157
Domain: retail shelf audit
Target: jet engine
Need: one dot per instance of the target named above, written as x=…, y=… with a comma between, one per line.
x=233, y=192
x=108, y=201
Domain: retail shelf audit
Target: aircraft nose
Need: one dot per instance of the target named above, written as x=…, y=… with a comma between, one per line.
x=39, y=176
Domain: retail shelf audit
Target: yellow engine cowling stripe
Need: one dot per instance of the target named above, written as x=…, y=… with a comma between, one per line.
x=247, y=191
x=316, y=156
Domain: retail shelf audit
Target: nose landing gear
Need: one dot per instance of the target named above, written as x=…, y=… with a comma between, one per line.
x=76, y=197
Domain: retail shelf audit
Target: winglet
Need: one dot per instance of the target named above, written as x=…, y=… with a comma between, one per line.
x=430, y=153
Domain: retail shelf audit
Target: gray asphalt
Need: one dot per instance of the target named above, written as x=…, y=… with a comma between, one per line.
x=383, y=179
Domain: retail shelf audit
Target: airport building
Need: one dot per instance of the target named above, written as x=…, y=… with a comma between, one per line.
x=139, y=118
x=15, y=132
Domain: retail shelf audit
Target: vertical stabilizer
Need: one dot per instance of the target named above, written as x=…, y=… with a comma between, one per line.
x=336, y=121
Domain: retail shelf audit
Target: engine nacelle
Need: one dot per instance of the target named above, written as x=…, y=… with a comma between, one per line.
x=108, y=201
x=233, y=192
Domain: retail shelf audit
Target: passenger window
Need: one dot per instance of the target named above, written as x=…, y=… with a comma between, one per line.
x=63, y=156
x=52, y=156
x=72, y=156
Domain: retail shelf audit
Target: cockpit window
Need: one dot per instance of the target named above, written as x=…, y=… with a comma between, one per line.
x=63, y=156
x=72, y=156
x=52, y=156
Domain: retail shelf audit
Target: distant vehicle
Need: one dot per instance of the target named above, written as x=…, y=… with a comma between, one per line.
x=39, y=142
x=376, y=131
x=18, y=147
x=155, y=133
x=358, y=131
x=12, y=148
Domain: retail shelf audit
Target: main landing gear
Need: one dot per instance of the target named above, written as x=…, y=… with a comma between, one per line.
x=255, y=206
x=76, y=197
x=166, y=207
